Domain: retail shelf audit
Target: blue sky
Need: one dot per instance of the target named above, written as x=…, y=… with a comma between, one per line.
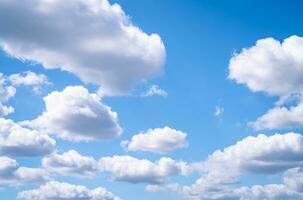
x=197, y=64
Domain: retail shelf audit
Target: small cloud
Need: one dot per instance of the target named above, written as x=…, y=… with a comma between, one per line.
x=218, y=111
x=154, y=90
x=29, y=78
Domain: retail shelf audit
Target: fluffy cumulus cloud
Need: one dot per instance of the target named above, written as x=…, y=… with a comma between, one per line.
x=133, y=170
x=266, y=154
x=6, y=92
x=252, y=155
x=29, y=78
x=75, y=114
x=293, y=178
x=12, y=174
x=280, y=117
x=70, y=163
x=60, y=190
x=16, y=140
x=155, y=90
x=158, y=140
x=263, y=66
x=107, y=50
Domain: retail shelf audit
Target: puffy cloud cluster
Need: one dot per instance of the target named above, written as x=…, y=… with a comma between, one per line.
x=7, y=89
x=60, y=190
x=12, y=174
x=263, y=68
x=70, y=163
x=75, y=114
x=107, y=50
x=122, y=168
x=252, y=155
x=130, y=169
x=158, y=140
x=6, y=92
x=16, y=140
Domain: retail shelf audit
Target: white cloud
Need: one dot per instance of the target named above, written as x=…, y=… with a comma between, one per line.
x=18, y=141
x=133, y=170
x=6, y=92
x=28, y=78
x=280, y=118
x=256, y=192
x=263, y=66
x=266, y=154
x=293, y=178
x=12, y=174
x=155, y=90
x=270, y=192
x=60, y=190
x=252, y=155
x=75, y=114
x=107, y=50
x=158, y=140
x=70, y=163
x=218, y=111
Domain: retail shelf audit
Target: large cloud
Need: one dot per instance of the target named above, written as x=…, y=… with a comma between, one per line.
x=266, y=154
x=276, y=69
x=60, y=190
x=70, y=163
x=264, y=66
x=199, y=191
x=159, y=140
x=92, y=39
x=252, y=155
x=6, y=92
x=18, y=141
x=75, y=114
x=130, y=169
x=12, y=174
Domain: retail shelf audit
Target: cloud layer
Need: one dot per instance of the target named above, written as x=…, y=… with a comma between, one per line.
x=109, y=50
